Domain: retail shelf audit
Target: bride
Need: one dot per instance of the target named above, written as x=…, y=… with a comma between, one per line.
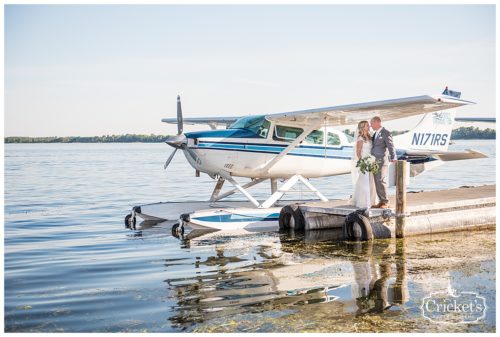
x=364, y=195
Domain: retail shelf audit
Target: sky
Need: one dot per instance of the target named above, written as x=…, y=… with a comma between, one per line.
x=85, y=70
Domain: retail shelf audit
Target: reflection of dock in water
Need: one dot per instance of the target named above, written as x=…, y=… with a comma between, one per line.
x=303, y=277
x=358, y=278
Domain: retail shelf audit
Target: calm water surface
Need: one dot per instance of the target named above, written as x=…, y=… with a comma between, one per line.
x=72, y=266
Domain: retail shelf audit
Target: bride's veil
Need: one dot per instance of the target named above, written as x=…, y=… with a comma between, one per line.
x=354, y=170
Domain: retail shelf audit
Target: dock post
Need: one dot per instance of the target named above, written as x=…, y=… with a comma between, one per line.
x=274, y=185
x=400, y=198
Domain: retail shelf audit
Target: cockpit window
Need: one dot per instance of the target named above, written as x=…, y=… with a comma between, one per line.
x=289, y=134
x=315, y=137
x=286, y=133
x=256, y=124
x=333, y=139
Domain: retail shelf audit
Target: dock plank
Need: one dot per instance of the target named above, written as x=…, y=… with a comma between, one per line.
x=427, y=212
x=424, y=200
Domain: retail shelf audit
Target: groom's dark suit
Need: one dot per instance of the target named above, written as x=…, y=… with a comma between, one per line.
x=382, y=147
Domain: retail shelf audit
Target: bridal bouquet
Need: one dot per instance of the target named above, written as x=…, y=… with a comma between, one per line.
x=368, y=164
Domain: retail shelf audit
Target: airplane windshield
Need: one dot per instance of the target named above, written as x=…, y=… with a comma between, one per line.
x=256, y=124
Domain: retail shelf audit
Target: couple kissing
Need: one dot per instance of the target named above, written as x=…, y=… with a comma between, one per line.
x=369, y=165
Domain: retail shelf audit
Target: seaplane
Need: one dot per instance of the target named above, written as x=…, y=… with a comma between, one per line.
x=292, y=147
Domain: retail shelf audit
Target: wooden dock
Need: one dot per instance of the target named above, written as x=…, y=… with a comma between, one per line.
x=429, y=212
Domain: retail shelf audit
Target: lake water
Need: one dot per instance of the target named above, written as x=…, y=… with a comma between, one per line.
x=72, y=266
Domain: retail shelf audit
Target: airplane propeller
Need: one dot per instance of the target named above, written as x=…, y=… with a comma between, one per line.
x=169, y=159
x=179, y=141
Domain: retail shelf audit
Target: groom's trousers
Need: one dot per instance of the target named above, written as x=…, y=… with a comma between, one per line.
x=381, y=183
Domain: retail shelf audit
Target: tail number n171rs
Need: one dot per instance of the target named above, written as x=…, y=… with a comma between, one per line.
x=429, y=139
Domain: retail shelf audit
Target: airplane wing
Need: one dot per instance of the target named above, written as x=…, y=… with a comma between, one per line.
x=211, y=121
x=354, y=113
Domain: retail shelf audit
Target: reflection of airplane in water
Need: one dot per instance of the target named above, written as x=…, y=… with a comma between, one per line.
x=354, y=278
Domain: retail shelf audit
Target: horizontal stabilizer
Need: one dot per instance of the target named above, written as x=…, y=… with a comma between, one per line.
x=476, y=119
x=448, y=156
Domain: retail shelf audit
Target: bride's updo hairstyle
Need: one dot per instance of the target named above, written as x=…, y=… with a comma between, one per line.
x=361, y=127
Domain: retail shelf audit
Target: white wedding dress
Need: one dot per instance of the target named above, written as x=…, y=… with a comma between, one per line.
x=364, y=194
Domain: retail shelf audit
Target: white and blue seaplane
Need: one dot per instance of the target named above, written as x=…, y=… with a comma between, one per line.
x=291, y=147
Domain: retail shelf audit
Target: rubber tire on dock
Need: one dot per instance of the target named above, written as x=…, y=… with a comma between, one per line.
x=291, y=218
x=177, y=230
x=364, y=224
x=128, y=221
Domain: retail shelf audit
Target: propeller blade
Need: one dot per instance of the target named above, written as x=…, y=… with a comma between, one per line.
x=169, y=159
x=191, y=153
x=180, y=123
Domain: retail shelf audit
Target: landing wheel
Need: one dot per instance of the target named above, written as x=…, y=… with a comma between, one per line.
x=129, y=220
x=177, y=230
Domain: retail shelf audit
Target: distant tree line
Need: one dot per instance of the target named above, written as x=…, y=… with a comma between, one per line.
x=460, y=133
x=471, y=132
x=128, y=138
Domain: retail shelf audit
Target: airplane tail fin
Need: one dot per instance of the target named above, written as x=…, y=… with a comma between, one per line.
x=426, y=145
x=433, y=132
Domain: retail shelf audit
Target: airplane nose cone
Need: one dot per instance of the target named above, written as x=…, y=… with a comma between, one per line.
x=176, y=141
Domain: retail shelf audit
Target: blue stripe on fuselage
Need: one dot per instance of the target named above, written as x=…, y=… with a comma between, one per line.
x=339, y=152
x=342, y=152
x=227, y=133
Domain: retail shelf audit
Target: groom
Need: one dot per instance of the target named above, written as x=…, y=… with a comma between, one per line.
x=382, y=146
